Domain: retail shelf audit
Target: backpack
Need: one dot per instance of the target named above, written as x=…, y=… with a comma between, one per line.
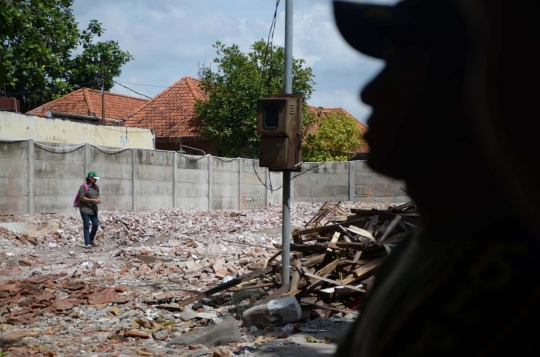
x=77, y=198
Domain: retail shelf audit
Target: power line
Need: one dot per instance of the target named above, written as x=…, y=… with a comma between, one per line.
x=144, y=95
x=144, y=85
x=269, y=45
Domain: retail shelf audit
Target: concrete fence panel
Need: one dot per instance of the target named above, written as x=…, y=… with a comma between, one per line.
x=58, y=174
x=224, y=183
x=253, y=193
x=45, y=177
x=14, y=178
x=192, y=181
x=115, y=167
x=372, y=187
x=155, y=178
x=321, y=183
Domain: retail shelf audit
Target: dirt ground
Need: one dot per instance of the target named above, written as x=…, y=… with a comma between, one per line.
x=58, y=298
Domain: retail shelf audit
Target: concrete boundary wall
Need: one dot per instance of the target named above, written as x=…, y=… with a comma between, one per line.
x=44, y=178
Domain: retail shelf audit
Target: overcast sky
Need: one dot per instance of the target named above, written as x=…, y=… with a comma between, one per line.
x=170, y=39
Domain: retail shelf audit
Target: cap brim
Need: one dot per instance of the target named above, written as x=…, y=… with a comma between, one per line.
x=370, y=28
x=97, y=178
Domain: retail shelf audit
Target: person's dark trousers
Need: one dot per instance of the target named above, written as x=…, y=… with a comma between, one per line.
x=89, y=235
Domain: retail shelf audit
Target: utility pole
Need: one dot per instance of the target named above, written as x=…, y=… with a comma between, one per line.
x=286, y=211
x=102, y=92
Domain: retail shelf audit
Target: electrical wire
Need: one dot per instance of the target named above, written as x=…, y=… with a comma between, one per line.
x=269, y=45
x=143, y=85
x=134, y=91
x=270, y=176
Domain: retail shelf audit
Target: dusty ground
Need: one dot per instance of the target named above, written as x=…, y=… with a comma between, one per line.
x=60, y=299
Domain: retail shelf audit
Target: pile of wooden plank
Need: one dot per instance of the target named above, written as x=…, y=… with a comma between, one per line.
x=331, y=265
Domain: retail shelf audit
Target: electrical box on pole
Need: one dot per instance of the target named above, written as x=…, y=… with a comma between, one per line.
x=279, y=123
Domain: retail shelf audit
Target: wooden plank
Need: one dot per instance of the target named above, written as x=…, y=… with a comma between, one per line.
x=294, y=280
x=361, y=232
x=390, y=229
x=317, y=306
x=328, y=268
x=347, y=245
x=404, y=206
x=314, y=260
x=356, y=259
x=334, y=282
x=325, y=229
x=304, y=248
x=334, y=239
x=362, y=272
x=261, y=277
x=372, y=223
x=278, y=293
x=224, y=286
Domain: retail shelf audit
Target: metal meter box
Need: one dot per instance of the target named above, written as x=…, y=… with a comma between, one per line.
x=279, y=123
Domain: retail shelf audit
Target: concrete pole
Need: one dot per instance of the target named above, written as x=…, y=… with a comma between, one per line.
x=239, y=183
x=352, y=181
x=286, y=221
x=30, y=175
x=175, y=179
x=134, y=164
x=266, y=190
x=209, y=182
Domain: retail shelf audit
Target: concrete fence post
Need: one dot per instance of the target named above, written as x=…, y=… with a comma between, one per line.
x=86, y=154
x=134, y=165
x=209, y=182
x=352, y=181
x=30, y=175
x=266, y=190
x=292, y=185
x=239, y=183
x=175, y=179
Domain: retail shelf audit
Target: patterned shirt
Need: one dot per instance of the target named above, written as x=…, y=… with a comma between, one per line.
x=88, y=207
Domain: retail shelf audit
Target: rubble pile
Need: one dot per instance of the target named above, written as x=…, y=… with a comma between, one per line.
x=169, y=281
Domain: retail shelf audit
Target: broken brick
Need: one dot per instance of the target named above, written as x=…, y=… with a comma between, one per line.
x=63, y=304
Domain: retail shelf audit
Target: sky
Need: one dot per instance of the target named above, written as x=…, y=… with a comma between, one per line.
x=171, y=39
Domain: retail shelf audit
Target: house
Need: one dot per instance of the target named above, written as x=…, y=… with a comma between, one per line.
x=363, y=149
x=86, y=105
x=171, y=114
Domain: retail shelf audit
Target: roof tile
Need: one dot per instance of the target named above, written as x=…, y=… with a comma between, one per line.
x=171, y=114
x=87, y=101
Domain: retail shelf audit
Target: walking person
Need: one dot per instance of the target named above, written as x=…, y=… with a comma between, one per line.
x=88, y=205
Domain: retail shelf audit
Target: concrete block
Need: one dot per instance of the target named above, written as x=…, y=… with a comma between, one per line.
x=223, y=331
x=108, y=170
x=276, y=313
x=98, y=156
x=148, y=203
x=154, y=188
x=53, y=187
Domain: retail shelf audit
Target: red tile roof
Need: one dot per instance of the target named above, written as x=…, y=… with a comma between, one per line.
x=171, y=114
x=363, y=147
x=87, y=101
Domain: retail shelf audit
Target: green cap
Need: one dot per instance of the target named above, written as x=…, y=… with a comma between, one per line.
x=93, y=174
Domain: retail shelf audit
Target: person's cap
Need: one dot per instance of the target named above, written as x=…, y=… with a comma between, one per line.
x=376, y=29
x=93, y=174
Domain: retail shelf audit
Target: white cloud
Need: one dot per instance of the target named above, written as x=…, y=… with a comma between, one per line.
x=171, y=38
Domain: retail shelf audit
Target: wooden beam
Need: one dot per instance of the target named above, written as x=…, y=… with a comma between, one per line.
x=362, y=272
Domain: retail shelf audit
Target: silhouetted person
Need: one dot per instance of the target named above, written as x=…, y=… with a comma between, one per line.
x=450, y=118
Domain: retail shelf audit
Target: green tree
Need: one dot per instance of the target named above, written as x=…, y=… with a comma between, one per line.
x=38, y=41
x=334, y=137
x=233, y=87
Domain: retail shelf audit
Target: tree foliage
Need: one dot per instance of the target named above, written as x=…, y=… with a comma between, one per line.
x=233, y=87
x=334, y=137
x=39, y=41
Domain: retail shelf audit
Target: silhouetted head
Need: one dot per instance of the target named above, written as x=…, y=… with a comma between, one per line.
x=418, y=118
